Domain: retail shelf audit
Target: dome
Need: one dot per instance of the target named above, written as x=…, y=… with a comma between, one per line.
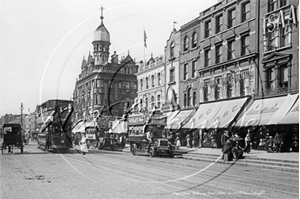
x=101, y=34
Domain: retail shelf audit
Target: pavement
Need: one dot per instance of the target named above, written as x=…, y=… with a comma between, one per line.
x=287, y=161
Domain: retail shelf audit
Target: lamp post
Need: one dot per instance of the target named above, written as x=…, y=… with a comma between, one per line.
x=21, y=109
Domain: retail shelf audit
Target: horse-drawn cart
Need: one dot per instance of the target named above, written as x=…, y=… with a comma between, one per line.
x=12, y=136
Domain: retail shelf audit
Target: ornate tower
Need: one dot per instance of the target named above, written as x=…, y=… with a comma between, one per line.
x=101, y=43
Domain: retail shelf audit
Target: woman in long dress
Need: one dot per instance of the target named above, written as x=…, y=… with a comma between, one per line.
x=83, y=146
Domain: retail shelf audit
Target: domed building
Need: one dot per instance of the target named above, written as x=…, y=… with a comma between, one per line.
x=106, y=85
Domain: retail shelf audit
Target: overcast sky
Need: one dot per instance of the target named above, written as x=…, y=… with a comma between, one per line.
x=42, y=42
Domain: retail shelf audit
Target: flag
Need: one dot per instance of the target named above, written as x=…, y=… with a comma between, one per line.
x=145, y=38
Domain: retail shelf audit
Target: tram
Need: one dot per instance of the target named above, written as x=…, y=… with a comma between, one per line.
x=55, y=125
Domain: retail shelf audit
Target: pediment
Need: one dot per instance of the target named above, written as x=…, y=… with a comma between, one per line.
x=274, y=57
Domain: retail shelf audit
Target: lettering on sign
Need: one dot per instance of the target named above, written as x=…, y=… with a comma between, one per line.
x=266, y=110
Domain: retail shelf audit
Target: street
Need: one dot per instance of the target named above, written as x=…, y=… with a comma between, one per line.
x=114, y=174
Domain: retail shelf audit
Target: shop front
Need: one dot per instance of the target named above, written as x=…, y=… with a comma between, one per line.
x=265, y=116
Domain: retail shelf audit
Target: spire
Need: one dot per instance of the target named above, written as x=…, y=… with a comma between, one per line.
x=101, y=14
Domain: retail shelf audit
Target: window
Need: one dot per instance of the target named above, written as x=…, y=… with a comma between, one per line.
x=184, y=100
x=186, y=44
x=242, y=87
x=283, y=76
x=141, y=82
x=271, y=78
x=284, y=36
x=158, y=79
x=230, y=51
x=217, y=88
x=158, y=101
x=194, y=99
x=282, y=3
x=98, y=83
x=194, y=68
x=189, y=100
x=194, y=40
x=207, y=29
x=205, y=90
x=172, y=47
x=172, y=78
x=146, y=103
x=219, y=23
x=271, y=5
x=218, y=53
x=245, y=44
x=127, y=85
x=152, y=102
x=245, y=11
x=207, y=57
x=229, y=86
x=271, y=40
x=231, y=18
x=185, y=71
x=152, y=80
x=141, y=103
x=147, y=82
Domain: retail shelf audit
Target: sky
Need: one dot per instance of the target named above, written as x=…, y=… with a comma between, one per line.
x=43, y=42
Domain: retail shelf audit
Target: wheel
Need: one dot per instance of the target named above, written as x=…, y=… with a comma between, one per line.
x=133, y=149
x=151, y=152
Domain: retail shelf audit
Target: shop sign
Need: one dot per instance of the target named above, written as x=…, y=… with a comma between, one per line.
x=278, y=19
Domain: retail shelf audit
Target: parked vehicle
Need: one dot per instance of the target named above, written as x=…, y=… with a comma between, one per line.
x=139, y=124
x=12, y=137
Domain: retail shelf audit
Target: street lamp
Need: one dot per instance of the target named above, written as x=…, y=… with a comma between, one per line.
x=21, y=109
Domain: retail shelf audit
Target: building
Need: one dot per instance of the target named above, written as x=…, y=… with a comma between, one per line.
x=279, y=54
x=151, y=79
x=171, y=56
x=105, y=86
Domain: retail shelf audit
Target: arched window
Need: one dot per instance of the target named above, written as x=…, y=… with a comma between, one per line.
x=147, y=82
x=184, y=100
x=158, y=101
x=152, y=102
x=141, y=82
x=194, y=40
x=158, y=79
x=186, y=43
x=152, y=80
x=194, y=98
x=172, y=47
x=189, y=95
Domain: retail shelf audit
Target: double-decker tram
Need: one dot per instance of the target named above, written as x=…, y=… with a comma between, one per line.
x=55, y=125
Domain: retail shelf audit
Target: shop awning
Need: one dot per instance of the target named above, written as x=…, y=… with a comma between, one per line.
x=81, y=125
x=228, y=111
x=175, y=123
x=260, y=112
x=119, y=126
x=203, y=115
x=284, y=109
x=171, y=115
x=292, y=117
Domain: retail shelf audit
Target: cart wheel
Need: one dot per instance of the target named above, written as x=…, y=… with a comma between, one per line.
x=133, y=149
x=151, y=152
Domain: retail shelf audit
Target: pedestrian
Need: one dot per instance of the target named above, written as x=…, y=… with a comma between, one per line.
x=213, y=138
x=227, y=150
x=247, y=143
x=224, y=137
x=178, y=144
x=269, y=144
x=277, y=142
x=83, y=146
x=149, y=136
x=188, y=137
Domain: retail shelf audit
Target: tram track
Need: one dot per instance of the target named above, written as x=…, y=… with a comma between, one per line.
x=208, y=175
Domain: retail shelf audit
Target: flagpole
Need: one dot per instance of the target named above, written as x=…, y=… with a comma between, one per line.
x=144, y=47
